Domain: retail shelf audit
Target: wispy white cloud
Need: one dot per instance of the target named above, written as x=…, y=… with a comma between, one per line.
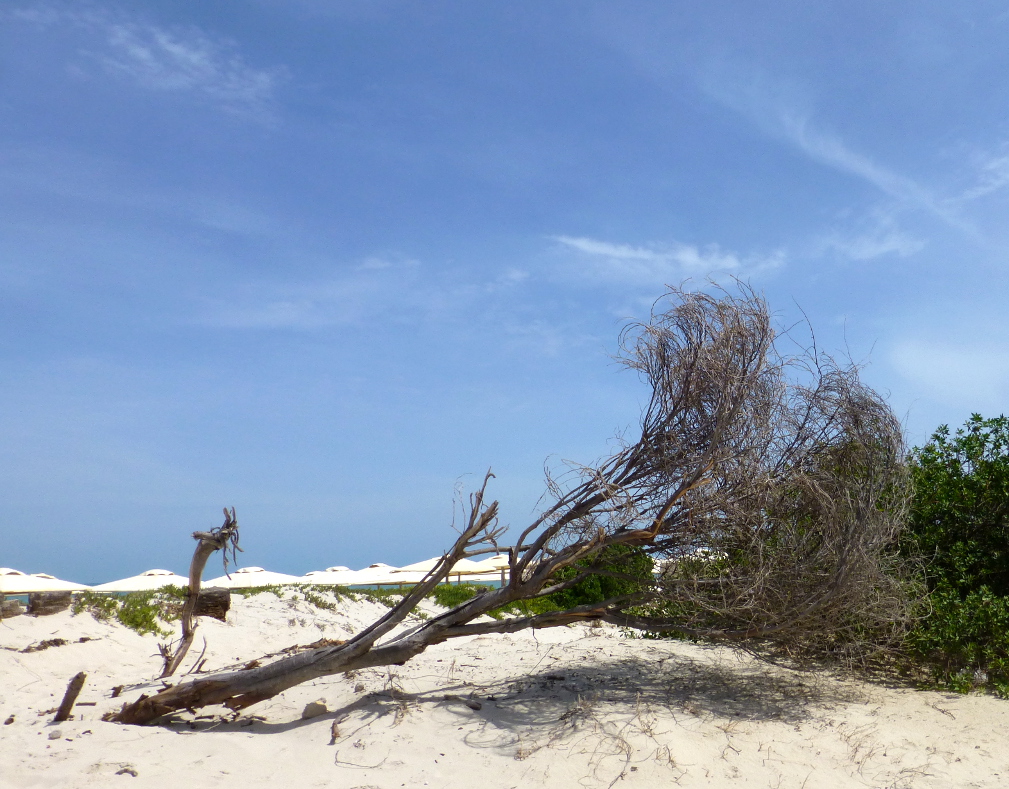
x=172, y=60
x=879, y=240
x=545, y=337
x=378, y=288
x=867, y=247
x=993, y=176
x=831, y=150
x=188, y=61
x=655, y=265
x=779, y=111
x=356, y=296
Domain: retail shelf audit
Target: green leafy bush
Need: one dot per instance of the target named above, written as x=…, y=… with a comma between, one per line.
x=630, y=568
x=386, y=597
x=142, y=612
x=274, y=589
x=959, y=526
x=451, y=595
x=101, y=606
x=316, y=597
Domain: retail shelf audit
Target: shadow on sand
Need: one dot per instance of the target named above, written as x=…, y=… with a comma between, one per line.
x=672, y=686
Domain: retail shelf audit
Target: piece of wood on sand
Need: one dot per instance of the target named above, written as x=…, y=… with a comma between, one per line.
x=214, y=602
x=10, y=608
x=47, y=603
x=73, y=691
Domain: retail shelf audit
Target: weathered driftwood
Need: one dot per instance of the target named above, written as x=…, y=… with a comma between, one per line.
x=207, y=544
x=70, y=697
x=11, y=608
x=47, y=603
x=214, y=603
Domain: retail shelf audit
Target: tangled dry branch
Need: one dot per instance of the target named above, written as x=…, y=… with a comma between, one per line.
x=769, y=487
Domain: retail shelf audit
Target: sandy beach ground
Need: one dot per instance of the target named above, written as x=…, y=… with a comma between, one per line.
x=567, y=707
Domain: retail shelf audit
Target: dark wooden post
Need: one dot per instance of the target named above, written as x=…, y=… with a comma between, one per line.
x=73, y=691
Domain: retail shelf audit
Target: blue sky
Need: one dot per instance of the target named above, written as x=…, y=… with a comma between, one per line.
x=328, y=261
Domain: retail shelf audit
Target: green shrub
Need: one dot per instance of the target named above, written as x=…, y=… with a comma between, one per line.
x=101, y=606
x=633, y=563
x=531, y=607
x=315, y=598
x=959, y=527
x=965, y=639
x=386, y=597
x=451, y=595
x=632, y=569
x=141, y=612
x=274, y=589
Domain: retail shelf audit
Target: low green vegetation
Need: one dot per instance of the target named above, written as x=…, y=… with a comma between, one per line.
x=142, y=612
x=959, y=529
x=617, y=571
x=274, y=589
x=148, y=612
x=318, y=598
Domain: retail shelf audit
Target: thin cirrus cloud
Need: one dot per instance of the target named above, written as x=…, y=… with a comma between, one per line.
x=188, y=62
x=169, y=60
x=350, y=299
x=656, y=266
x=775, y=109
x=994, y=176
x=376, y=290
x=878, y=242
x=832, y=151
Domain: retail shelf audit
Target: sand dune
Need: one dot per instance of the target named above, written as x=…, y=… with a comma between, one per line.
x=568, y=707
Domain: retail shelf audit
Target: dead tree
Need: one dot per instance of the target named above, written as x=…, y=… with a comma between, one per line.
x=771, y=486
x=207, y=543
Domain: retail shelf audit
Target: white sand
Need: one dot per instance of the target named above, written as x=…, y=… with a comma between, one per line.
x=566, y=707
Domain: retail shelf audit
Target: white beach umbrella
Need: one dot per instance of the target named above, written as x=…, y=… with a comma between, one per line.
x=491, y=569
x=377, y=576
x=248, y=577
x=465, y=569
x=463, y=566
x=343, y=576
x=466, y=566
x=145, y=582
x=420, y=567
x=492, y=564
x=331, y=576
x=16, y=582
